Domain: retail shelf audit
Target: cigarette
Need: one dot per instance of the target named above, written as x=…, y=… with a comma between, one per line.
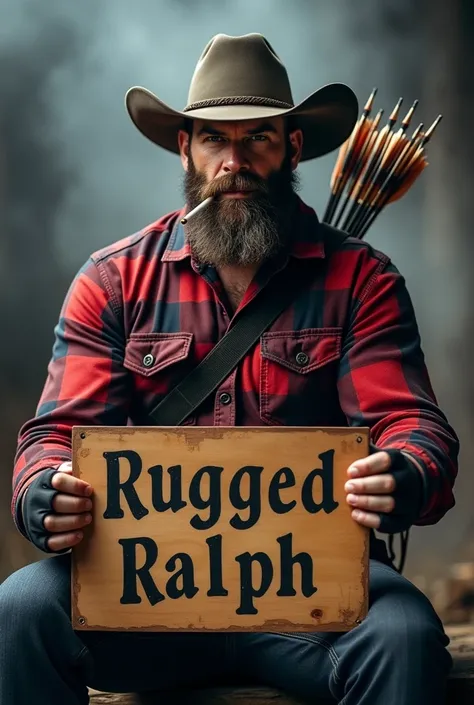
x=198, y=208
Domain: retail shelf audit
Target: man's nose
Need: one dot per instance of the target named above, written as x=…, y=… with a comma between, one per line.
x=235, y=160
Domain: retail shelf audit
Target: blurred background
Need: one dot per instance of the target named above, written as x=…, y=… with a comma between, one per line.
x=75, y=175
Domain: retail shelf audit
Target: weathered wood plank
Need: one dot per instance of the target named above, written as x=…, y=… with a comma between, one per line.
x=460, y=692
x=97, y=698
x=208, y=696
x=100, y=571
x=461, y=683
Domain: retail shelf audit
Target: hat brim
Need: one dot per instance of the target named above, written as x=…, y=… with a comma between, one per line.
x=327, y=117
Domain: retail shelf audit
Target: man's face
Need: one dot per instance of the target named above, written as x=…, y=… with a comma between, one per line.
x=248, y=166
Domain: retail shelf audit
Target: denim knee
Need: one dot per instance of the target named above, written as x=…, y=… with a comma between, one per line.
x=402, y=620
x=403, y=631
x=39, y=593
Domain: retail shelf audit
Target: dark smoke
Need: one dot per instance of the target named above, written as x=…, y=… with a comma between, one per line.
x=35, y=177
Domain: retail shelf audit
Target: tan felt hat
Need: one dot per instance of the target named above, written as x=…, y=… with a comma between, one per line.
x=242, y=78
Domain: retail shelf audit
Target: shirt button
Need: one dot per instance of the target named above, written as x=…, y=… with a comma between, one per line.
x=302, y=358
x=225, y=398
x=148, y=360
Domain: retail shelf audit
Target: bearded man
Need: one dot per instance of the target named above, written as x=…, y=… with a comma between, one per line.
x=144, y=311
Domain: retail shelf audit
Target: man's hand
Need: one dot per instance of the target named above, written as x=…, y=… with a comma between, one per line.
x=55, y=507
x=71, y=506
x=385, y=490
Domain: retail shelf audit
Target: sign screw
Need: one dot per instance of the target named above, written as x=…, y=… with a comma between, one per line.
x=359, y=439
x=83, y=435
x=82, y=621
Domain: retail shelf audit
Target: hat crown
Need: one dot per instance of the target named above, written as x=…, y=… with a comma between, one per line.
x=239, y=67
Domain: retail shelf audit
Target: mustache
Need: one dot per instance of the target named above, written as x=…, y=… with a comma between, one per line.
x=235, y=182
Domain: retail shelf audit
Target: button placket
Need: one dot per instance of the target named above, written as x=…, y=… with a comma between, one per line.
x=224, y=406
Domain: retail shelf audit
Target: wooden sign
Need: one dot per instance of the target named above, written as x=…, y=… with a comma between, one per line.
x=219, y=528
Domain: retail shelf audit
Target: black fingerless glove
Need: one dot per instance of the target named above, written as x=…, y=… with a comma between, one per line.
x=36, y=504
x=408, y=494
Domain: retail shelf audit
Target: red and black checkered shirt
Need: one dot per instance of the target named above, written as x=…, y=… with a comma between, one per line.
x=140, y=314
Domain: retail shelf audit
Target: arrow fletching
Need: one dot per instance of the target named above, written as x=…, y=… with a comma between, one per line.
x=375, y=167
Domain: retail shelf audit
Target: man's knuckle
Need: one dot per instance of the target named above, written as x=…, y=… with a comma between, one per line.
x=59, y=480
x=390, y=483
x=49, y=522
x=75, y=504
x=57, y=543
x=56, y=481
x=58, y=502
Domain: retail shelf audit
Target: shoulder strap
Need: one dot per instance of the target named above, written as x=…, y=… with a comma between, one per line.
x=225, y=356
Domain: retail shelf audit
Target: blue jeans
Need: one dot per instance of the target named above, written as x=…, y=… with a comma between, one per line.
x=397, y=656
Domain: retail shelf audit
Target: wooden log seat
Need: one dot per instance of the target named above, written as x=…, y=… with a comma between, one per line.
x=460, y=689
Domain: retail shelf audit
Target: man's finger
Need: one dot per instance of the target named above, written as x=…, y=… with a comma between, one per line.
x=374, y=484
x=64, y=482
x=59, y=542
x=68, y=504
x=372, y=521
x=371, y=465
x=373, y=503
x=60, y=523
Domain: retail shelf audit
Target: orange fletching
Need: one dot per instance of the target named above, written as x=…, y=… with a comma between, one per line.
x=336, y=172
x=357, y=141
x=375, y=167
x=417, y=166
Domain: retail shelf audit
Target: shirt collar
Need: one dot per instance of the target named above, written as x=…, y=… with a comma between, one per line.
x=308, y=242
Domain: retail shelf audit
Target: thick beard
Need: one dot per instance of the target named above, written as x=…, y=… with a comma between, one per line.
x=240, y=232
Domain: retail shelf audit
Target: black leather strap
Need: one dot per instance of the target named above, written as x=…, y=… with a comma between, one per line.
x=189, y=394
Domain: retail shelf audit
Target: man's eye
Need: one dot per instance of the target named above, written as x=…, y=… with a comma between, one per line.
x=213, y=138
x=258, y=138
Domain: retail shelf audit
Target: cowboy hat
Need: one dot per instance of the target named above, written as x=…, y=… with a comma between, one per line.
x=242, y=78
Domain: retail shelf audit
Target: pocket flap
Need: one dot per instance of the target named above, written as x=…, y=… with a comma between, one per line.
x=147, y=354
x=303, y=351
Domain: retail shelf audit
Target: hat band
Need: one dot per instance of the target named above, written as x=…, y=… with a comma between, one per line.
x=238, y=100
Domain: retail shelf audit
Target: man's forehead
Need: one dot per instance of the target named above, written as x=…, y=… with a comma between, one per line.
x=238, y=126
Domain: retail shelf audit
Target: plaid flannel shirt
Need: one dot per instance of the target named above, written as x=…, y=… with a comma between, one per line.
x=141, y=313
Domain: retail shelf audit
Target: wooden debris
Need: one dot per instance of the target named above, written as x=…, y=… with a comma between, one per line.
x=453, y=596
x=211, y=696
x=97, y=698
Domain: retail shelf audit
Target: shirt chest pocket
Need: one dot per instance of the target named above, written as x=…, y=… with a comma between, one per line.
x=298, y=377
x=158, y=361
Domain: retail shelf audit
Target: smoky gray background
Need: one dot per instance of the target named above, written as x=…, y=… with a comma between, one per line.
x=76, y=175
